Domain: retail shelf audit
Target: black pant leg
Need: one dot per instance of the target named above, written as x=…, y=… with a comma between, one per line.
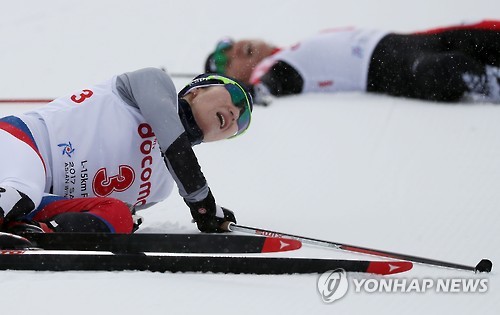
x=420, y=66
x=481, y=45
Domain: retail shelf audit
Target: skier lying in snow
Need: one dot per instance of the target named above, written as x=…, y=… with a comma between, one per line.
x=116, y=144
x=445, y=64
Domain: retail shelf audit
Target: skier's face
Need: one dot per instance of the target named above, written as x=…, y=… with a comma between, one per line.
x=243, y=56
x=214, y=112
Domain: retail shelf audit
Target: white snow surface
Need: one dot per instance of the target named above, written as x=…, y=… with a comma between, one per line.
x=390, y=173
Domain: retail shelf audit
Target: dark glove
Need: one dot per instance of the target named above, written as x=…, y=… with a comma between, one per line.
x=260, y=94
x=14, y=205
x=206, y=216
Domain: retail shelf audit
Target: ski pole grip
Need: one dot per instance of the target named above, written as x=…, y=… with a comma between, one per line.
x=226, y=226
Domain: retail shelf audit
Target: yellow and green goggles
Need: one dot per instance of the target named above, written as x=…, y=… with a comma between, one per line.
x=240, y=97
x=217, y=61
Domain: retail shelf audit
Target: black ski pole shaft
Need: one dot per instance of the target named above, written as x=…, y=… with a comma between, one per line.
x=484, y=265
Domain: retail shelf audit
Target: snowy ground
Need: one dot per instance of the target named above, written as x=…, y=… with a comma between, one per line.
x=389, y=173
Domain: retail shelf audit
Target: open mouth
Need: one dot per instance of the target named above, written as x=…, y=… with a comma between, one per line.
x=221, y=120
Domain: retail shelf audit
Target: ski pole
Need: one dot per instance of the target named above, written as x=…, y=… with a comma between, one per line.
x=25, y=100
x=179, y=75
x=182, y=75
x=484, y=265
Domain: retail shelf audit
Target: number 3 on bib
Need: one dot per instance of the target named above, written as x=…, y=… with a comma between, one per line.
x=82, y=97
x=103, y=185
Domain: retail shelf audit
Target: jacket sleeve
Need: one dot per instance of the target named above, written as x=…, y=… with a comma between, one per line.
x=153, y=93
